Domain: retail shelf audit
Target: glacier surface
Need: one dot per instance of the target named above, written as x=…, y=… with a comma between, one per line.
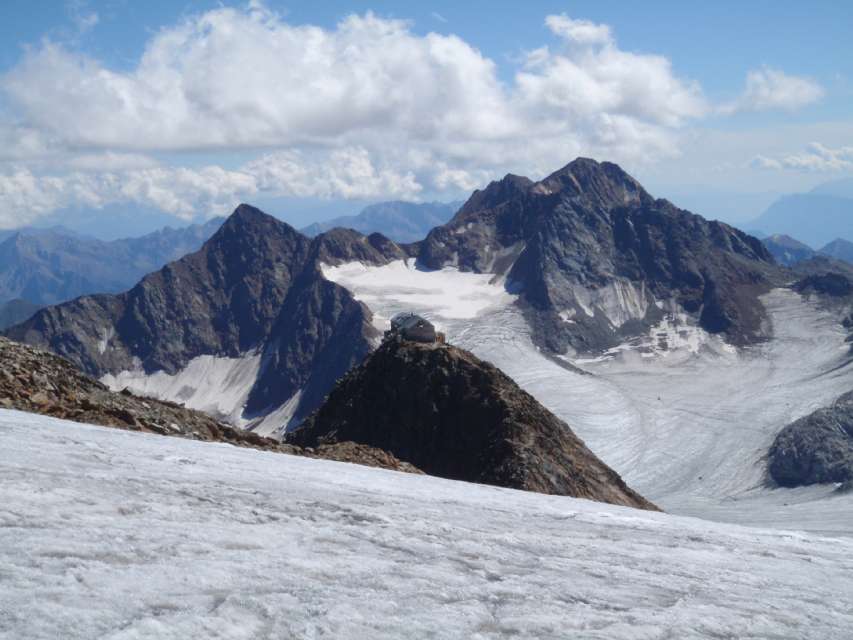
x=685, y=418
x=127, y=536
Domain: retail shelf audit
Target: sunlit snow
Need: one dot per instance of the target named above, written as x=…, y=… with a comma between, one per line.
x=448, y=293
x=119, y=535
x=688, y=426
x=217, y=385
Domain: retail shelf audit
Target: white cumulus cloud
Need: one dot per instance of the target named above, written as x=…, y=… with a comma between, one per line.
x=344, y=173
x=582, y=32
x=245, y=78
x=366, y=109
x=189, y=192
x=817, y=157
x=773, y=89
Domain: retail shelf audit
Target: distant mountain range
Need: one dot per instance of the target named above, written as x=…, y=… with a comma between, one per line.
x=44, y=266
x=249, y=329
x=48, y=266
x=839, y=249
x=399, y=221
x=789, y=251
x=842, y=188
x=815, y=218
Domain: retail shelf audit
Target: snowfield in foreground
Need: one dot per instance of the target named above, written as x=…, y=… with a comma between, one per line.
x=119, y=535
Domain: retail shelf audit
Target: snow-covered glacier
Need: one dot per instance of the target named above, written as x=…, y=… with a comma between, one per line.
x=120, y=535
x=684, y=417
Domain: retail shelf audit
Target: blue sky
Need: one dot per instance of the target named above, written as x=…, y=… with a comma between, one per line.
x=184, y=108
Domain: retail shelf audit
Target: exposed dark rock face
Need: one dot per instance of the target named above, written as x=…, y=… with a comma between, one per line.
x=452, y=415
x=220, y=300
x=36, y=381
x=254, y=286
x=836, y=285
x=830, y=282
x=817, y=448
x=786, y=250
x=320, y=334
x=49, y=266
x=345, y=245
x=589, y=244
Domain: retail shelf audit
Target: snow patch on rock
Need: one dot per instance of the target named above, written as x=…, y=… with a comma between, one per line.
x=619, y=301
x=106, y=335
x=275, y=423
x=216, y=385
x=446, y=293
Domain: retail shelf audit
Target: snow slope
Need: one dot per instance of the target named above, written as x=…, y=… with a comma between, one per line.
x=689, y=426
x=119, y=535
x=217, y=385
x=448, y=293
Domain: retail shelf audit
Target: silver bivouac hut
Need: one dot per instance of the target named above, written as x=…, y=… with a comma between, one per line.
x=410, y=326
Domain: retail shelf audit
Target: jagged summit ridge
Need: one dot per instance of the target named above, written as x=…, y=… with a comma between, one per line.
x=596, y=258
x=604, y=182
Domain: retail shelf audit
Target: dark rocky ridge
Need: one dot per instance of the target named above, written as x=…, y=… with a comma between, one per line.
x=830, y=282
x=589, y=227
x=452, y=415
x=255, y=285
x=817, y=448
x=36, y=381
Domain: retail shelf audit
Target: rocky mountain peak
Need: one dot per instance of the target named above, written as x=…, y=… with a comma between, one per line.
x=839, y=249
x=602, y=183
x=596, y=259
x=249, y=215
x=496, y=193
x=787, y=241
x=248, y=226
x=453, y=415
x=346, y=245
x=252, y=293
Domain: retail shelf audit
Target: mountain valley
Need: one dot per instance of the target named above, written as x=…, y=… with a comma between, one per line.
x=696, y=346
